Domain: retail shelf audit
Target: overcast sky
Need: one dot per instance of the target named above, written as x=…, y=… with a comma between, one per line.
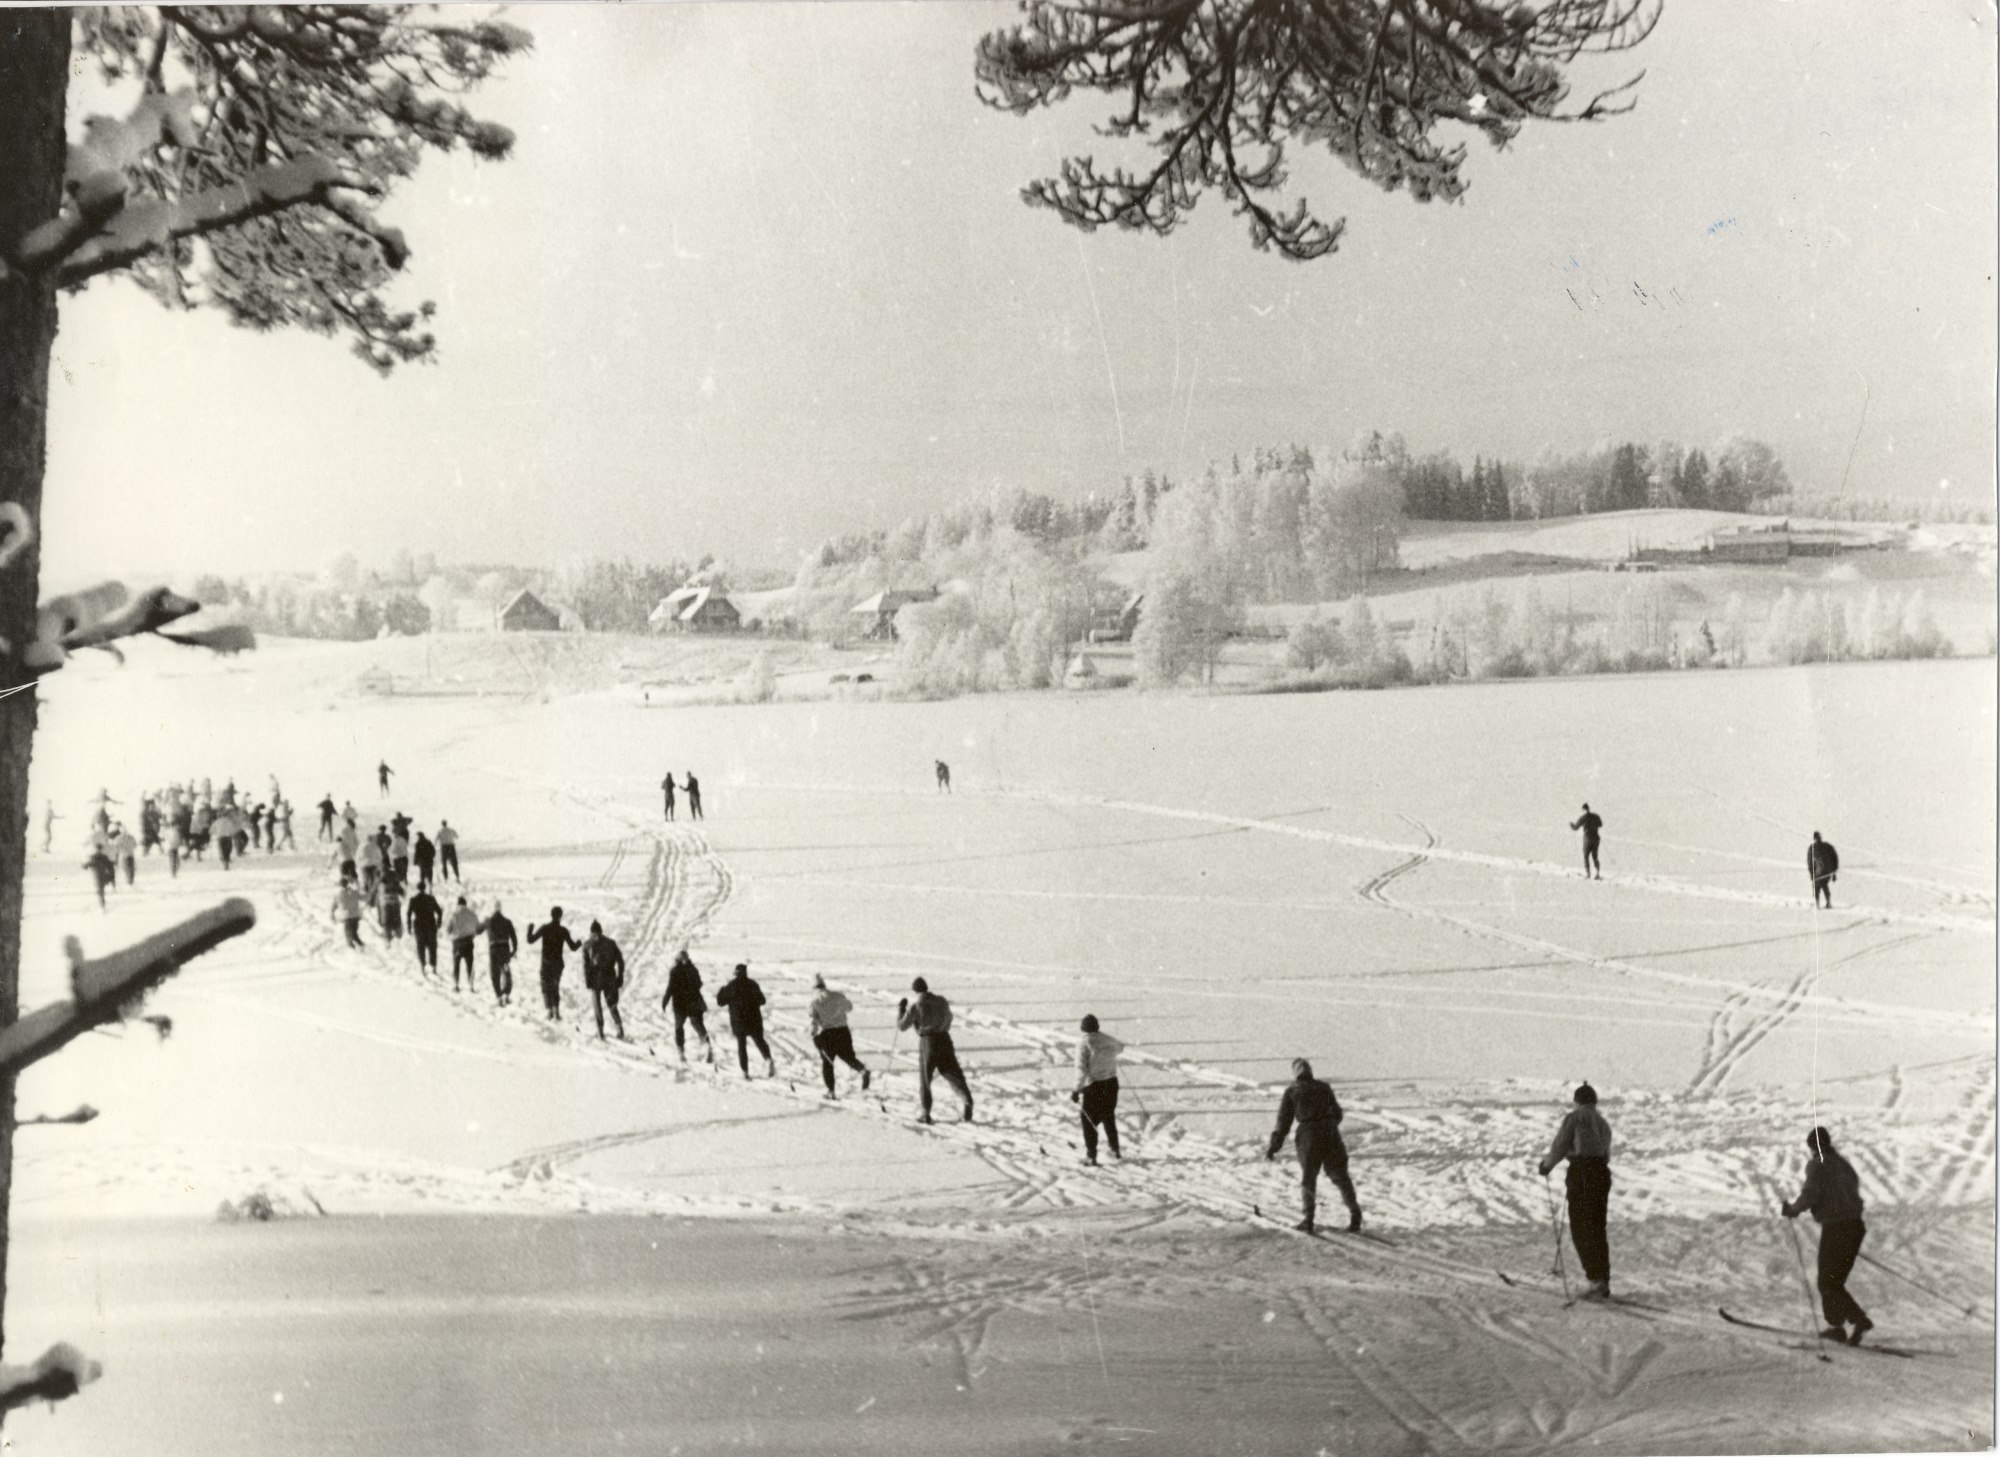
x=759, y=273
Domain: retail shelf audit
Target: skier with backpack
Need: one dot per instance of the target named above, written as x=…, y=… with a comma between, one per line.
x=1311, y=1105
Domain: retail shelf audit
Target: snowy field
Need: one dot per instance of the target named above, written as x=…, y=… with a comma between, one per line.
x=1383, y=882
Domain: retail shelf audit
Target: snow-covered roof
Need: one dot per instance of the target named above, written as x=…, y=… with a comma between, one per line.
x=891, y=600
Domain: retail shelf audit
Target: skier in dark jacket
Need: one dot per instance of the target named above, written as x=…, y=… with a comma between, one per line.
x=1591, y=825
x=745, y=1000
x=1832, y=1195
x=425, y=915
x=929, y=1016
x=1585, y=1140
x=326, y=818
x=1823, y=865
x=1311, y=1104
x=684, y=996
x=423, y=854
x=604, y=975
x=667, y=788
x=555, y=939
x=694, y=796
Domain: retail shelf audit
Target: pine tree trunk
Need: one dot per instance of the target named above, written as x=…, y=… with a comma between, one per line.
x=34, y=83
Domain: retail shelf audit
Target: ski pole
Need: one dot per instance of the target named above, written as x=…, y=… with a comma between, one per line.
x=1805, y=1283
x=1556, y=1219
x=1972, y=1310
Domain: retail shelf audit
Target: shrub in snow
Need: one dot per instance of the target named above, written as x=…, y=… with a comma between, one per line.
x=759, y=683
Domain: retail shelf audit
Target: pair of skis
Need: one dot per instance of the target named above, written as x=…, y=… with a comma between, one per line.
x=1819, y=1347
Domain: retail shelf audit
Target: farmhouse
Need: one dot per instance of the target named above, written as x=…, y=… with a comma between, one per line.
x=1120, y=625
x=881, y=610
x=525, y=612
x=695, y=609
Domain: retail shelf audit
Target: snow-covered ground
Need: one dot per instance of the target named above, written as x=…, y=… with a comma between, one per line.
x=1383, y=882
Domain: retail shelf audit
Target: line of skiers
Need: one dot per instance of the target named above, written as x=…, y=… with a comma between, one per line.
x=180, y=821
x=1822, y=860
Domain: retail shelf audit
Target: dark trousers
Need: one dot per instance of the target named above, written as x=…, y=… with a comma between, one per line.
x=744, y=1038
x=1590, y=858
x=1322, y=1151
x=1823, y=887
x=681, y=1019
x=448, y=861
x=936, y=1057
x=326, y=827
x=1839, y=1243
x=835, y=1042
x=694, y=806
x=670, y=806
x=502, y=968
x=552, y=991
x=226, y=847
x=601, y=997
x=424, y=874
x=1588, y=1184
x=1100, y=1109
x=461, y=955
x=427, y=953
x=173, y=862
x=353, y=932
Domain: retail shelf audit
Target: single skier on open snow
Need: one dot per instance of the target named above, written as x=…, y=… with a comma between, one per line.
x=1585, y=1140
x=1823, y=865
x=831, y=1035
x=1310, y=1104
x=1096, y=1091
x=929, y=1016
x=1592, y=825
x=1832, y=1195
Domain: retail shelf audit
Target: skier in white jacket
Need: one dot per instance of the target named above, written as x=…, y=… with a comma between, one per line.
x=1097, y=1088
x=831, y=1036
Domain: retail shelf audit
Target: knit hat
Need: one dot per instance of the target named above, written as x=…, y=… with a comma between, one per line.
x=1089, y=1023
x=920, y=985
x=819, y=981
x=1819, y=1141
x=1303, y=1068
x=1586, y=1095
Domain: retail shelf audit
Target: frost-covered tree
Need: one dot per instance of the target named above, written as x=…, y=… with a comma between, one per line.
x=242, y=168
x=1217, y=91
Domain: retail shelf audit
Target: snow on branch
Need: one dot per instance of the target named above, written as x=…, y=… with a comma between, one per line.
x=102, y=990
x=101, y=615
x=138, y=230
x=61, y=1372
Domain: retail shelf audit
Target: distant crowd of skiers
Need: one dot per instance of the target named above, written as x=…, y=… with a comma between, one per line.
x=180, y=821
